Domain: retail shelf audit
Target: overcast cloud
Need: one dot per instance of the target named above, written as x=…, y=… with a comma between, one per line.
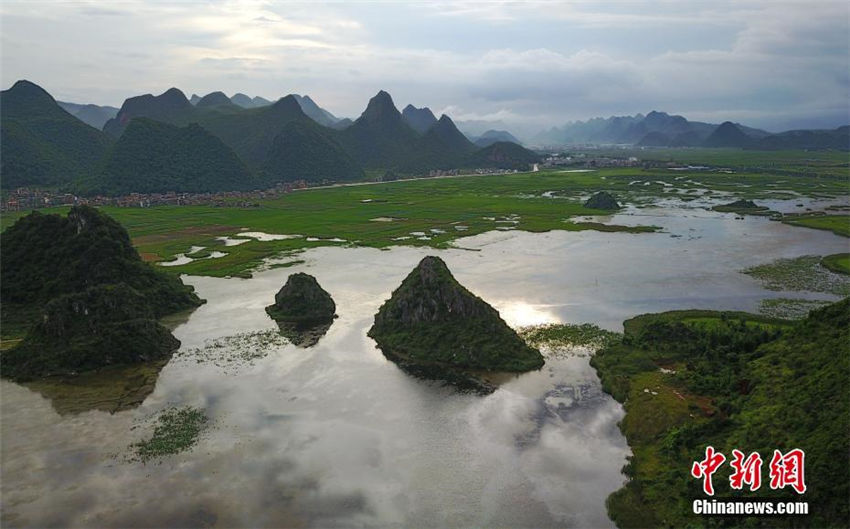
x=530, y=65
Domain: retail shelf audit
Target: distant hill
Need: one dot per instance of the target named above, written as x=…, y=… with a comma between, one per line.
x=171, y=107
x=213, y=99
x=442, y=146
x=506, y=155
x=249, y=102
x=156, y=157
x=40, y=143
x=836, y=139
x=165, y=143
x=419, y=119
x=303, y=150
x=492, y=136
x=93, y=115
x=194, y=99
x=727, y=135
x=315, y=112
x=380, y=138
x=653, y=129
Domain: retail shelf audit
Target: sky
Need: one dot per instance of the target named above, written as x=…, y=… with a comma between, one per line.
x=526, y=66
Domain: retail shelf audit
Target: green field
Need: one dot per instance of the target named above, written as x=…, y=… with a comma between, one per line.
x=837, y=224
x=381, y=215
x=837, y=262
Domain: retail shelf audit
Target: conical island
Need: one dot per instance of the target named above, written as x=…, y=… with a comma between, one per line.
x=303, y=310
x=432, y=320
x=602, y=200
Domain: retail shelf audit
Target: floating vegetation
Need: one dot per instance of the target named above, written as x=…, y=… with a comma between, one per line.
x=232, y=352
x=569, y=335
x=176, y=430
x=788, y=308
x=800, y=274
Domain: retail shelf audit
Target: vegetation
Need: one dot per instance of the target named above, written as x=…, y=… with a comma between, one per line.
x=789, y=308
x=176, y=430
x=431, y=319
x=800, y=274
x=585, y=334
x=101, y=326
x=45, y=256
x=694, y=378
x=837, y=224
x=837, y=262
x=302, y=151
x=42, y=144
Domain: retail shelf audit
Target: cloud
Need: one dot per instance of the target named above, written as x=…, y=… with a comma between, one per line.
x=530, y=63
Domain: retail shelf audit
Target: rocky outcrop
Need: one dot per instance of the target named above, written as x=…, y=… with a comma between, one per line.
x=432, y=320
x=303, y=310
x=602, y=200
x=101, y=326
x=742, y=207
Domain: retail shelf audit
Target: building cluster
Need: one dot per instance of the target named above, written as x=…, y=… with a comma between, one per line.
x=586, y=161
x=23, y=199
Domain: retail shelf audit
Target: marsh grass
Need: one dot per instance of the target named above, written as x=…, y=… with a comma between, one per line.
x=800, y=274
x=177, y=430
x=234, y=352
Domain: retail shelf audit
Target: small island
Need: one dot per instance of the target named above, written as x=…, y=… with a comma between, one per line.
x=742, y=207
x=602, y=200
x=303, y=310
x=431, y=320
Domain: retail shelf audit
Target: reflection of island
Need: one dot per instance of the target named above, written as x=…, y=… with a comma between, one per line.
x=112, y=389
x=303, y=310
x=434, y=327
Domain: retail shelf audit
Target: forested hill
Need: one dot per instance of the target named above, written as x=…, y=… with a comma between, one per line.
x=165, y=143
x=690, y=379
x=42, y=144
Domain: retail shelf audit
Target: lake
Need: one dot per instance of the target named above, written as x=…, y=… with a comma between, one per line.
x=337, y=435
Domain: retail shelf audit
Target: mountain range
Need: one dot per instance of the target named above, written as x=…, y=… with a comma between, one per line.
x=659, y=129
x=165, y=143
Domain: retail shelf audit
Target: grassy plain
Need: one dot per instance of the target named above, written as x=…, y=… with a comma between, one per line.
x=838, y=263
x=837, y=224
x=444, y=209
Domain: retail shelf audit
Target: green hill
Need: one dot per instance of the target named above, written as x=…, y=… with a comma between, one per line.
x=304, y=150
x=727, y=134
x=432, y=320
x=504, y=154
x=170, y=107
x=154, y=157
x=42, y=144
x=730, y=380
x=45, y=256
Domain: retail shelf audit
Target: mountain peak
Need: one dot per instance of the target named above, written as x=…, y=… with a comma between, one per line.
x=29, y=90
x=381, y=107
x=419, y=119
x=213, y=99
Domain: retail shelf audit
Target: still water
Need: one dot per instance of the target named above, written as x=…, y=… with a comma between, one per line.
x=336, y=435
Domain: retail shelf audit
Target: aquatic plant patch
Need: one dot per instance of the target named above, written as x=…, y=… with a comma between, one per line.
x=800, y=274
x=176, y=430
